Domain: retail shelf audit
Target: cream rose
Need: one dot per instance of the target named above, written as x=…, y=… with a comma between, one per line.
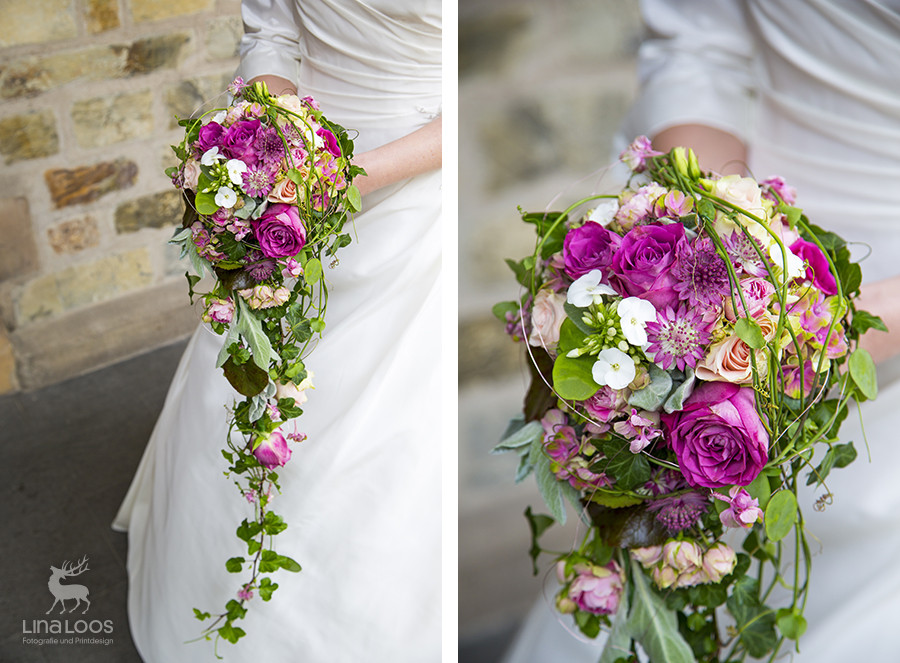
x=729, y=359
x=546, y=318
x=284, y=192
x=297, y=392
x=746, y=194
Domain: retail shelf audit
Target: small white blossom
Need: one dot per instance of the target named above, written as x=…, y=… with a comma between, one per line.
x=634, y=314
x=236, y=169
x=219, y=117
x=614, y=369
x=226, y=197
x=795, y=266
x=211, y=156
x=604, y=212
x=587, y=290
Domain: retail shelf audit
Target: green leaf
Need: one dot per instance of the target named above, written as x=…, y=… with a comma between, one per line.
x=757, y=629
x=682, y=391
x=251, y=329
x=791, y=623
x=612, y=500
x=288, y=564
x=201, y=615
x=792, y=213
x=235, y=610
x=653, y=625
x=206, y=203
x=630, y=470
x=573, y=379
x=312, y=270
x=627, y=527
x=653, y=396
x=317, y=325
x=710, y=594
x=295, y=176
x=247, y=530
x=575, y=314
x=862, y=370
x=234, y=565
x=840, y=455
x=707, y=210
x=864, y=321
x=618, y=643
x=523, y=436
x=780, y=514
x=273, y=524
x=500, y=309
x=267, y=588
x=588, y=623
x=749, y=331
x=247, y=379
x=354, y=198
x=552, y=489
x=543, y=221
x=538, y=523
x=268, y=561
x=231, y=633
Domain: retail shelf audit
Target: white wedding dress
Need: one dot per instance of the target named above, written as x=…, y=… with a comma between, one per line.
x=361, y=495
x=814, y=89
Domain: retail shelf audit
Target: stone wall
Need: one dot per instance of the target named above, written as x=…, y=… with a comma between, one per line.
x=543, y=88
x=89, y=90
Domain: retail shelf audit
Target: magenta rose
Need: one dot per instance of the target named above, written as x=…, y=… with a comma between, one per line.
x=641, y=266
x=589, y=247
x=210, y=136
x=273, y=451
x=237, y=143
x=718, y=437
x=330, y=141
x=817, y=269
x=279, y=231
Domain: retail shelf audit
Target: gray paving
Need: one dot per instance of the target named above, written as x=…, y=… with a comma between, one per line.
x=69, y=452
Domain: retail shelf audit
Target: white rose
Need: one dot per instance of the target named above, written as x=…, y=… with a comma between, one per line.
x=295, y=391
x=745, y=193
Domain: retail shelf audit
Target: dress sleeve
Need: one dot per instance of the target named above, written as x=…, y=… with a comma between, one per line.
x=694, y=67
x=271, y=41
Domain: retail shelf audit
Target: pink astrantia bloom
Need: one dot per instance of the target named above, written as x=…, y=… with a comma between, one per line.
x=679, y=512
x=639, y=428
x=745, y=254
x=273, y=450
x=701, y=278
x=743, y=510
x=677, y=337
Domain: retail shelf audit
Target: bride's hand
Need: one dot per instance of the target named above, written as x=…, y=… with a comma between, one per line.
x=276, y=84
x=880, y=298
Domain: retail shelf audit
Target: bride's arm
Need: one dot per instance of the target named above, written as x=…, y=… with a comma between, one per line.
x=881, y=299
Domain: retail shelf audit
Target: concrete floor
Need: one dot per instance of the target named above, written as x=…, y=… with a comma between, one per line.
x=69, y=452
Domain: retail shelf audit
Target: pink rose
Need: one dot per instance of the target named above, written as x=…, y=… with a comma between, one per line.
x=718, y=437
x=589, y=247
x=219, y=310
x=279, y=231
x=730, y=360
x=817, y=268
x=238, y=140
x=597, y=589
x=547, y=315
x=272, y=450
x=284, y=192
x=718, y=562
x=330, y=141
x=642, y=263
x=758, y=293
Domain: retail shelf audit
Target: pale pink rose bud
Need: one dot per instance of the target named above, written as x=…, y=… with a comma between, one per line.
x=561, y=571
x=682, y=555
x=647, y=556
x=191, y=174
x=565, y=605
x=664, y=576
x=272, y=451
x=284, y=192
x=295, y=391
x=691, y=578
x=547, y=316
x=719, y=561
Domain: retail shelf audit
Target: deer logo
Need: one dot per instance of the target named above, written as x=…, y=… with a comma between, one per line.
x=63, y=593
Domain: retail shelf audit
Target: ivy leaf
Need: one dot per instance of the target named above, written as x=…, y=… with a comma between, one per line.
x=542, y=221
x=627, y=527
x=267, y=588
x=791, y=623
x=538, y=523
x=268, y=561
x=201, y=615
x=863, y=321
x=780, y=514
x=629, y=469
x=234, y=565
x=248, y=530
x=231, y=633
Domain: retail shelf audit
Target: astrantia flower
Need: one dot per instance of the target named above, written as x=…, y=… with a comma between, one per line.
x=634, y=314
x=679, y=512
x=269, y=147
x=259, y=267
x=701, y=277
x=588, y=289
x=258, y=181
x=613, y=368
x=677, y=338
x=744, y=254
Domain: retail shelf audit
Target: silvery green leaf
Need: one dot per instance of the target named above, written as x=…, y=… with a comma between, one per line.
x=231, y=337
x=618, y=643
x=551, y=489
x=520, y=437
x=181, y=236
x=251, y=329
x=257, y=407
x=524, y=469
x=653, y=396
x=198, y=263
x=682, y=391
x=653, y=625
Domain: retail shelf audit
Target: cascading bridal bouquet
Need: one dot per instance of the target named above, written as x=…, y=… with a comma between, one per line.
x=693, y=346
x=267, y=185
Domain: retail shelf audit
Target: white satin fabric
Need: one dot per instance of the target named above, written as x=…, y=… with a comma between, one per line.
x=813, y=88
x=361, y=495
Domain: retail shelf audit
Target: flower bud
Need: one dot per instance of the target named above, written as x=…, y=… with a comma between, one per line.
x=719, y=561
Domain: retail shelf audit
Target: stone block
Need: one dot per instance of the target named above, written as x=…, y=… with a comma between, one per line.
x=154, y=10
x=29, y=136
x=102, y=15
x=8, y=379
x=484, y=39
x=154, y=211
x=485, y=351
x=37, y=21
x=223, y=35
x=54, y=350
x=80, y=285
x=163, y=52
x=18, y=252
x=74, y=235
x=34, y=74
x=87, y=183
x=191, y=97
x=106, y=120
